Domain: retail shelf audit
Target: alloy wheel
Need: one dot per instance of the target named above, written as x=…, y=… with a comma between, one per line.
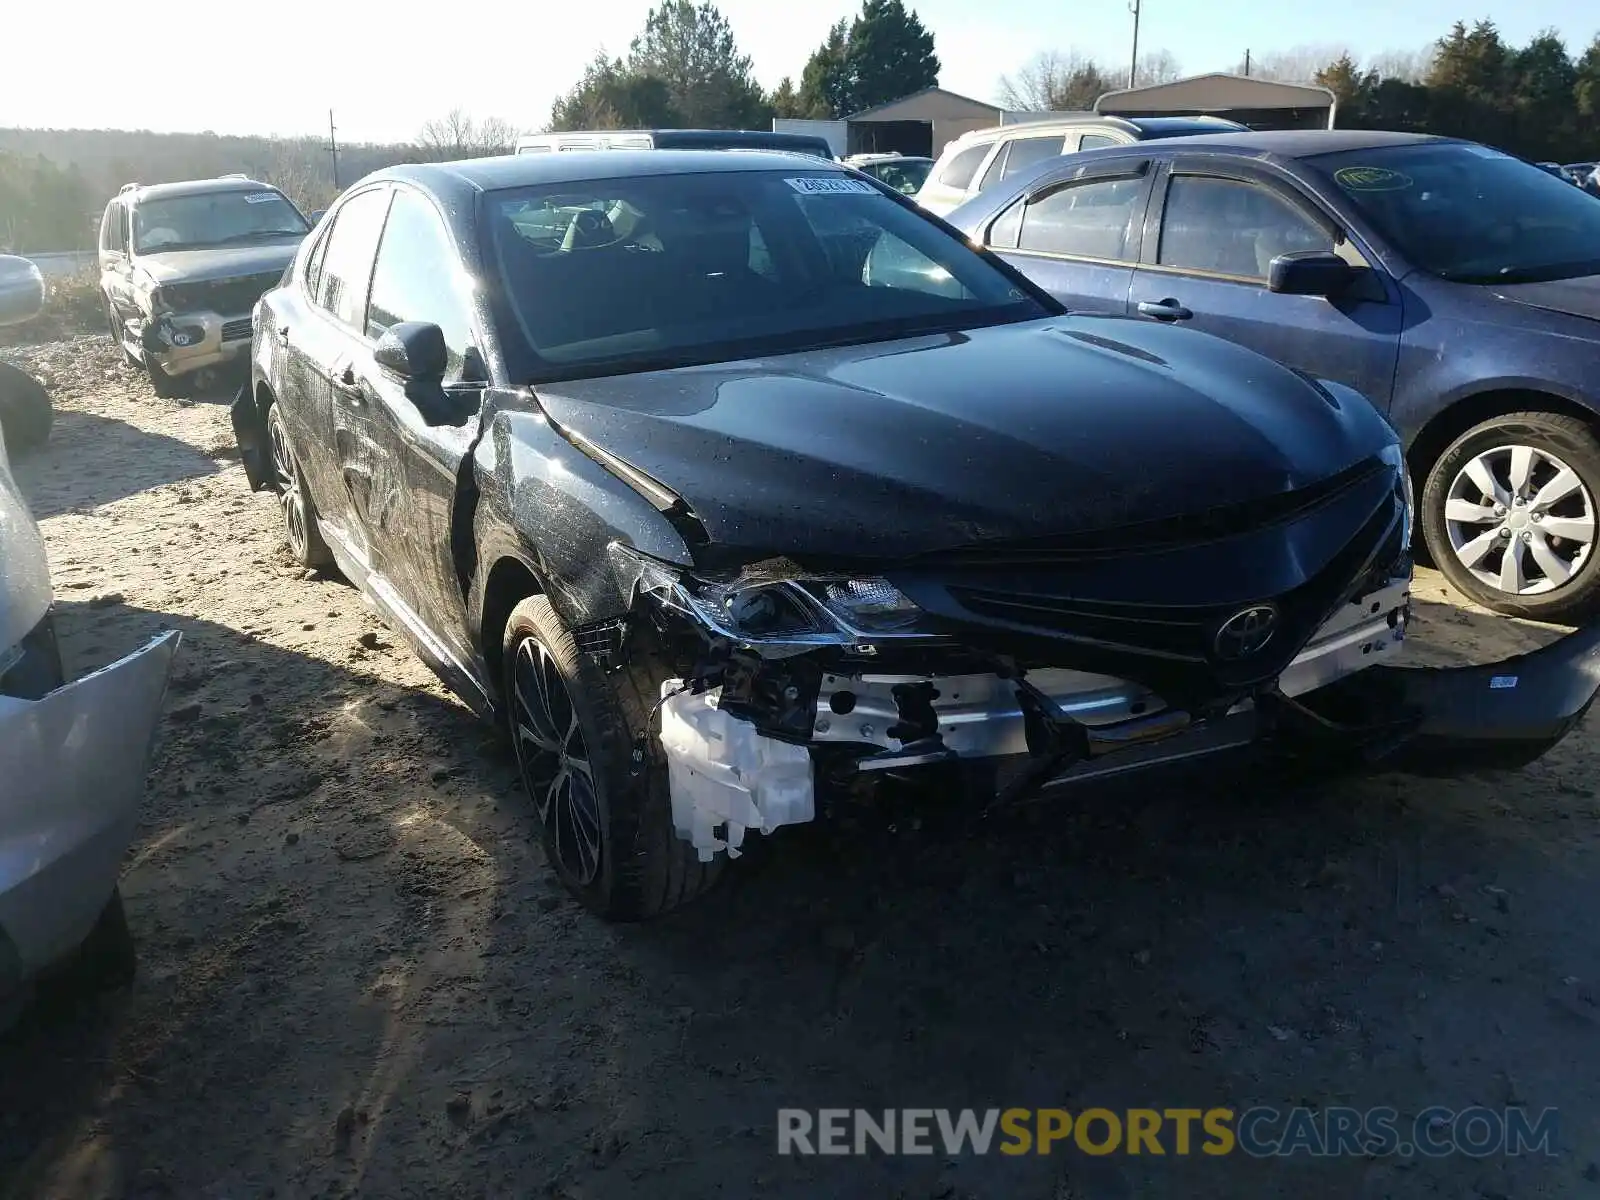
x=291, y=493
x=554, y=758
x=1520, y=520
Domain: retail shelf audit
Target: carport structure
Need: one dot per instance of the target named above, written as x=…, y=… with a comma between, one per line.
x=1258, y=103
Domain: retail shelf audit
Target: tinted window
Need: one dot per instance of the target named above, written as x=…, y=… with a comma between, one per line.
x=639, y=272
x=1092, y=141
x=347, y=262
x=314, y=264
x=997, y=164
x=1469, y=213
x=1027, y=151
x=1003, y=233
x=1087, y=220
x=417, y=278
x=1233, y=228
x=904, y=176
x=214, y=219
x=958, y=172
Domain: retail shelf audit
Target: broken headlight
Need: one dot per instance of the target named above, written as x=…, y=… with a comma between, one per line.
x=778, y=603
x=1394, y=454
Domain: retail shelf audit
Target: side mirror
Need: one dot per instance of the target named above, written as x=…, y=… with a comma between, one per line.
x=413, y=350
x=21, y=290
x=316, y=216
x=1310, y=273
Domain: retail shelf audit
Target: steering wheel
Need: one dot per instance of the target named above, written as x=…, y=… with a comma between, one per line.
x=588, y=230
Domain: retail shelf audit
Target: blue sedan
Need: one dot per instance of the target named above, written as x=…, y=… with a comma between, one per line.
x=1455, y=286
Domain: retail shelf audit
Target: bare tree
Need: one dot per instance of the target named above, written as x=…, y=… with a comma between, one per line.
x=1298, y=64
x=301, y=169
x=1159, y=66
x=1409, y=66
x=1055, y=81
x=458, y=134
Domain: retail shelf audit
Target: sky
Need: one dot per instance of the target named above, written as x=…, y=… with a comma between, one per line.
x=283, y=68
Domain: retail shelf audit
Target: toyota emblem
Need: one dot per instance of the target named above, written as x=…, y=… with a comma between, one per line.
x=1247, y=632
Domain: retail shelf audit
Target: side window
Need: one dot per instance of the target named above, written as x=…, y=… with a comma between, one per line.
x=1003, y=232
x=416, y=278
x=996, y=166
x=958, y=172
x=1093, y=141
x=346, y=264
x=1091, y=219
x=1025, y=152
x=122, y=228
x=1229, y=227
x=314, y=263
x=111, y=228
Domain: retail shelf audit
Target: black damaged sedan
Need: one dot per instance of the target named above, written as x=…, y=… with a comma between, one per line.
x=727, y=480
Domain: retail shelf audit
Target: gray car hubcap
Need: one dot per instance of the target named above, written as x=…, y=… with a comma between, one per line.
x=555, y=760
x=1520, y=520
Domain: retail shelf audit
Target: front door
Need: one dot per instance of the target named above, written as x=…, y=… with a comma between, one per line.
x=1078, y=237
x=410, y=504
x=1219, y=230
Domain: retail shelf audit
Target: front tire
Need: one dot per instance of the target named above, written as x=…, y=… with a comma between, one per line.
x=294, y=499
x=605, y=819
x=114, y=328
x=1509, y=513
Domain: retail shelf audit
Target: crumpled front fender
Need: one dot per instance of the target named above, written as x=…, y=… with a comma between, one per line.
x=72, y=773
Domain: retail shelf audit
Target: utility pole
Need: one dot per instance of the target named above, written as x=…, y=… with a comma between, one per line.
x=1247, y=62
x=333, y=151
x=1133, y=63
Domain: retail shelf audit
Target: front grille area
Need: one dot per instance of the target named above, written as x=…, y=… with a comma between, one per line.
x=225, y=297
x=234, y=331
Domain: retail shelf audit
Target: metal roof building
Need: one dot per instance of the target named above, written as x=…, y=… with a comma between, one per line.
x=1258, y=103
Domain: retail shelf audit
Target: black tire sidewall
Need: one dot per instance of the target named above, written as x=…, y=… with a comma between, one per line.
x=1568, y=440
x=25, y=411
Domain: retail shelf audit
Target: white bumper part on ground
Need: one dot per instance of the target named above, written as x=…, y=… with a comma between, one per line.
x=72, y=772
x=722, y=772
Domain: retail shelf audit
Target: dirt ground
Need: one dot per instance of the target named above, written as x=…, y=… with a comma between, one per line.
x=359, y=978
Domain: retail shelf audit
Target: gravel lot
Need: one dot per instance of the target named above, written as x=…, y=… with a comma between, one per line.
x=358, y=977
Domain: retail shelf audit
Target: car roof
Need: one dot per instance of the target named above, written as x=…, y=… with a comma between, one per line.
x=1065, y=121
x=1287, y=143
x=198, y=187
x=576, y=166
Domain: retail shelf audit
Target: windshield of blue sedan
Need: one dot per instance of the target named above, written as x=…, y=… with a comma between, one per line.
x=206, y=219
x=634, y=273
x=1471, y=214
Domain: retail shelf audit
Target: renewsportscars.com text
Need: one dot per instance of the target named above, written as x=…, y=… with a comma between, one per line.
x=1260, y=1132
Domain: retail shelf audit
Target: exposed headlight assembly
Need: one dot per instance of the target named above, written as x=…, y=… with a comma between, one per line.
x=777, y=604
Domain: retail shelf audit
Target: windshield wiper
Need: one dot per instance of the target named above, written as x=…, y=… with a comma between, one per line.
x=254, y=234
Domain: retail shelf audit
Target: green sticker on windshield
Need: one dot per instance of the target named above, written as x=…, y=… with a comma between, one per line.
x=1371, y=179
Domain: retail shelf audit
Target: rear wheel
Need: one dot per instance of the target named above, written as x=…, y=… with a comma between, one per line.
x=1509, y=513
x=294, y=500
x=605, y=819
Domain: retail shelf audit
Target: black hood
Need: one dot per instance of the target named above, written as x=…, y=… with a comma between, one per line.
x=1578, y=297
x=1006, y=433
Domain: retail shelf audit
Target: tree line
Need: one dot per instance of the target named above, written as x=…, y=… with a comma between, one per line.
x=685, y=69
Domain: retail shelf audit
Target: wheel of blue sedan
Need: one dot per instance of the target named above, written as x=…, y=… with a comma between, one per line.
x=597, y=787
x=1510, y=516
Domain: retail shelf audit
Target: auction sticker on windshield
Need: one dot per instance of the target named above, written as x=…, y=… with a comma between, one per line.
x=1371, y=179
x=261, y=197
x=830, y=185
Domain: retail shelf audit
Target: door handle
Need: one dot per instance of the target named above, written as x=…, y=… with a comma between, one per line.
x=1164, y=310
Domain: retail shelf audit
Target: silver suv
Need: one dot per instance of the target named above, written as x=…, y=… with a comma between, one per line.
x=182, y=266
x=976, y=160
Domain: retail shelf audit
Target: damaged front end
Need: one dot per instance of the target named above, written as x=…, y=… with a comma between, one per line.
x=793, y=681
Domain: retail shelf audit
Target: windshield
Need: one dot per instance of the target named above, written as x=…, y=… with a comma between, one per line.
x=665, y=270
x=213, y=219
x=1471, y=214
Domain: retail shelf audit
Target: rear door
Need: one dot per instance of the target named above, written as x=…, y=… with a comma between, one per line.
x=1212, y=234
x=1077, y=233
x=419, y=276
x=350, y=469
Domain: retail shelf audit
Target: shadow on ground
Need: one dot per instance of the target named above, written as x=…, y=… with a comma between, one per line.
x=93, y=460
x=359, y=979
